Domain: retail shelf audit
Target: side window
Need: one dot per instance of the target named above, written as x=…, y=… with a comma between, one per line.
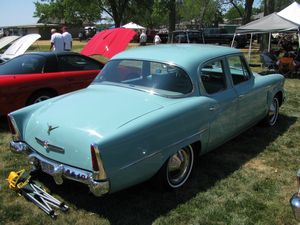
x=75, y=63
x=238, y=69
x=213, y=77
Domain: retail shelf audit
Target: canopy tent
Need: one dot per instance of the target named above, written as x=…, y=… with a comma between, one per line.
x=287, y=19
x=133, y=26
x=268, y=24
x=291, y=13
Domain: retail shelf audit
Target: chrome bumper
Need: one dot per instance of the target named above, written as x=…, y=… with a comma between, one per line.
x=59, y=171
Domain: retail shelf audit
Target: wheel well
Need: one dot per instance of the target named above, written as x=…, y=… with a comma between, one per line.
x=197, y=148
x=50, y=90
x=279, y=95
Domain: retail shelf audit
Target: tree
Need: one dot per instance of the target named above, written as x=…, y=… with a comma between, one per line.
x=68, y=11
x=246, y=13
x=203, y=12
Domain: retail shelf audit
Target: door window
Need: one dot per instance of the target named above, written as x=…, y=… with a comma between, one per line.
x=238, y=69
x=213, y=77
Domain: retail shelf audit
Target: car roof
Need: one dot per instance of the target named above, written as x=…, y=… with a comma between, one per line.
x=51, y=54
x=183, y=55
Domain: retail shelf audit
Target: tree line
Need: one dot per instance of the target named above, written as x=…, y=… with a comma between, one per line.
x=153, y=13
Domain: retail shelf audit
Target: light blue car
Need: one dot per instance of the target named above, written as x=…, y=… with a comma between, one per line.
x=149, y=113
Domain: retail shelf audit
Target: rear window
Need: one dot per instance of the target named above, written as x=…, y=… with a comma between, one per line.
x=153, y=77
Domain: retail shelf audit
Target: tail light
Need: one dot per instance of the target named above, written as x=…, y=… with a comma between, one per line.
x=94, y=159
x=97, y=164
x=11, y=126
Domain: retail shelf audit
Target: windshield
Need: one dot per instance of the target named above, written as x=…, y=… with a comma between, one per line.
x=154, y=77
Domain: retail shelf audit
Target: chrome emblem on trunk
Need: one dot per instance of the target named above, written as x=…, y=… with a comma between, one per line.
x=51, y=128
x=49, y=147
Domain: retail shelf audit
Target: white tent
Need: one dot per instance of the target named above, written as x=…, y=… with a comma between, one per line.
x=133, y=26
x=287, y=19
x=291, y=13
x=268, y=24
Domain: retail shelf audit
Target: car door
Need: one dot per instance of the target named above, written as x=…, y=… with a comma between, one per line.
x=252, y=98
x=216, y=87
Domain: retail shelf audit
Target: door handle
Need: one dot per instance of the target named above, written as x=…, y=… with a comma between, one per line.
x=212, y=108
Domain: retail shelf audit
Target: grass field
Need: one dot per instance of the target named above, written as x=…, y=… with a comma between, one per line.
x=248, y=180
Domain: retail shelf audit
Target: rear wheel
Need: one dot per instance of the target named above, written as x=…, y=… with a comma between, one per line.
x=176, y=169
x=40, y=96
x=271, y=119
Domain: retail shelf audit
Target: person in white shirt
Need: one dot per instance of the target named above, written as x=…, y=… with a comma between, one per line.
x=157, y=39
x=143, y=38
x=57, y=41
x=67, y=39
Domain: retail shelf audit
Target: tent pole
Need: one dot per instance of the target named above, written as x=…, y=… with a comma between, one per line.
x=250, y=49
x=233, y=40
x=269, y=46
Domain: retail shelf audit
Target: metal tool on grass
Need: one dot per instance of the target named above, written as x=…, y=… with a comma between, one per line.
x=21, y=183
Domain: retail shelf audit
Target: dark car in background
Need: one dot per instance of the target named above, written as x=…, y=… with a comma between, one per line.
x=187, y=36
x=222, y=36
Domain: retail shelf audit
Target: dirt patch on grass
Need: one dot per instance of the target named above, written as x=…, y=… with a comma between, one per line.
x=260, y=166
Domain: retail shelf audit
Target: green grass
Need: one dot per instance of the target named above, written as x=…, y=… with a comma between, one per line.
x=248, y=180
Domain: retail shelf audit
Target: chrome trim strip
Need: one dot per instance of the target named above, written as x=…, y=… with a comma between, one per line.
x=49, y=147
x=157, y=152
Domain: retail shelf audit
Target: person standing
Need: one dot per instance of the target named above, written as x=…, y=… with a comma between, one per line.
x=57, y=41
x=143, y=38
x=157, y=39
x=67, y=39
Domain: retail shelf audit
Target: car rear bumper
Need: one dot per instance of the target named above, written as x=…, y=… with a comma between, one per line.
x=59, y=171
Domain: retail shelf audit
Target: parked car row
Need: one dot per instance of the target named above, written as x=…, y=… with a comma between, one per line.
x=209, y=36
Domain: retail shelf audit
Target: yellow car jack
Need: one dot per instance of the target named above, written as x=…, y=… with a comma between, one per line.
x=21, y=183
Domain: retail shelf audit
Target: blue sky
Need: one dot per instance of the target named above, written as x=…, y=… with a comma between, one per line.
x=20, y=12
x=17, y=12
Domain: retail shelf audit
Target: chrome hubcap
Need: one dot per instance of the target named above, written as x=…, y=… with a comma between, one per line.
x=273, y=111
x=41, y=98
x=179, y=166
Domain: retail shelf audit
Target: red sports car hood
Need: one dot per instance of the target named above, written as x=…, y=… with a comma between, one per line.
x=109, y=42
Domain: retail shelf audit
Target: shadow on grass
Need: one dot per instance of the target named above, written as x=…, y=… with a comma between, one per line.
x=143, y=204
x=4, y=125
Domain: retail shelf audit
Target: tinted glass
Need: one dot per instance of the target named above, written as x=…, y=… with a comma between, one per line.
x=77, y=63
x=195, y=37
x=180, y=37
x=238, y=69
x=213, y=77
x=23, y=65
x=153, y=77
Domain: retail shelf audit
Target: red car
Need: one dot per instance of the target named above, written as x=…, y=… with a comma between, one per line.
x=35, y=77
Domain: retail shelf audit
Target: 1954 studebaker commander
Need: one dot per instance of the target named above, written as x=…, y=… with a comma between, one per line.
x=149, y=112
